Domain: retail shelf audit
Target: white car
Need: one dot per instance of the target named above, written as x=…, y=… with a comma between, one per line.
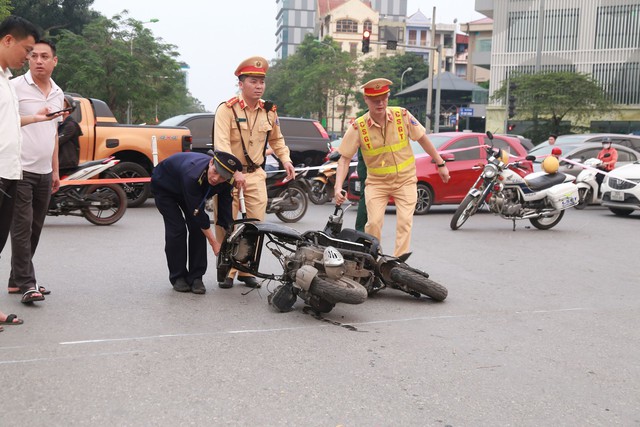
x=621, y=189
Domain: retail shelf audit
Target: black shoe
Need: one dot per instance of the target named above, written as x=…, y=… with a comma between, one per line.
x=249, y=281
x=228, y=283
x=181, y=285
x=197, y=287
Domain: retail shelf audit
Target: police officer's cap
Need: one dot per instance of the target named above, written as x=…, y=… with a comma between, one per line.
x=254, y=66
x=376, y=87
x=226, y=164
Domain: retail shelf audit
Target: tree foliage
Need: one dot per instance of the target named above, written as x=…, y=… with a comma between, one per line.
x=52, y=16
x=5, y=9
x=554, y=96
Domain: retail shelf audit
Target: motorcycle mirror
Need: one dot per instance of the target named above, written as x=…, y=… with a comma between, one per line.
x=607, y=155
x=490, y=135
x=334, y=156
x=531, y=158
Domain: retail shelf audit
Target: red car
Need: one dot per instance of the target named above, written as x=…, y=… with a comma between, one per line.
x=464, y=167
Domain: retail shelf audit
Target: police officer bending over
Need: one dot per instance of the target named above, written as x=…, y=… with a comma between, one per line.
x=181, y=184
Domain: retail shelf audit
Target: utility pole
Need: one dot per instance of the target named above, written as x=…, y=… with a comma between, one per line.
x=431, y=67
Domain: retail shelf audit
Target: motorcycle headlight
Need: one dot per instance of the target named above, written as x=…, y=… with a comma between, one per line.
x=490, y=171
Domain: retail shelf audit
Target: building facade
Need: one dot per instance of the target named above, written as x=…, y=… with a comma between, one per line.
x=597, y=37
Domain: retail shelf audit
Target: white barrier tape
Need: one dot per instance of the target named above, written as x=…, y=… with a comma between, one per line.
x=596, y=170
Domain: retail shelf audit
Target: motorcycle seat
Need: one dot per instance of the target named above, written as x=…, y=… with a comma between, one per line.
x=543, y=182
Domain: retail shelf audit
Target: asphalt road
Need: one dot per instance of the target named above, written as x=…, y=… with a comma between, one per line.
x=540, y=328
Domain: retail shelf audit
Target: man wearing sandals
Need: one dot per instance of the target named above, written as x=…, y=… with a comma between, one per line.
x=39, y=157
x=17, y=38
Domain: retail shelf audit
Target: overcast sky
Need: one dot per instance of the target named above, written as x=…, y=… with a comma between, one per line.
x=214, y=37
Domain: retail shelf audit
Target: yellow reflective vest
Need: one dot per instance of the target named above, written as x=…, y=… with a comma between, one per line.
x=389, y=152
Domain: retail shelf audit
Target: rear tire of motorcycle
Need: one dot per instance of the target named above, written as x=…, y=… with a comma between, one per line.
x=464, y=211
x=584, y=198
x=419, y=283
x=547, y=223
x=425, y=199
x=137, y=193
x=335, y=292
x=317, y=195
x=117, y=198
x=301, y=196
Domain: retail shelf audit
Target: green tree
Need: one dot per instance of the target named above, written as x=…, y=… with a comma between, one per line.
x=119, y=61
x=392, y=67
x=304, y=83
x=52, y=16
x=5, y=9
x=554, y=96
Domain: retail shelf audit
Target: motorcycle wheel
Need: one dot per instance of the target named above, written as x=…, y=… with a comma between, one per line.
x=584, y=198
x=419, y=283
x=546, y=223
x=465, y=210
x=335, y=292
x=300, y=197
x=425, y=198
x=318, y=193
x=137, y=193
x=111, y=204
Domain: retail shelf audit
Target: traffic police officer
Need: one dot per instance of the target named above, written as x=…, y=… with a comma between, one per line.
x=181, y=184
x=383, y=136
x=243, y=126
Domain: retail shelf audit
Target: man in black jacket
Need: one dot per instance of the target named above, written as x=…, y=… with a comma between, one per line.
x=68, y=140
x=181, y=184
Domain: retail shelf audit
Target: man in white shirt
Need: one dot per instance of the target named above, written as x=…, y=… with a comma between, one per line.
x=17, y=38
x=36, y=90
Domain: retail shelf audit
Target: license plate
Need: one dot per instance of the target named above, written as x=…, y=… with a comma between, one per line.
x=617, y=196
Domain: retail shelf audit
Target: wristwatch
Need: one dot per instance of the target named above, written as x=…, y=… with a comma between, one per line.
x=441, y=165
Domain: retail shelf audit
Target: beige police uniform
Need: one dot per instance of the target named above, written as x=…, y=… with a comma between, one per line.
x=253, y=124
x=391, y=169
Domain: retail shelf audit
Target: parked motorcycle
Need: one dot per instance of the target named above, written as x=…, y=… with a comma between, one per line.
x=588, y=191
x=321, y=185
x=509, y=192
x=100, y=204
x=287, y=199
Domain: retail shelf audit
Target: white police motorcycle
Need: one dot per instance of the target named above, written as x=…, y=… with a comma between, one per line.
x=540, y=197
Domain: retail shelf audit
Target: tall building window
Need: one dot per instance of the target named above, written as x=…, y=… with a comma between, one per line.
x=618, y=27
x=522, y=31
x=561, y=29
x=346, y=26
x=423, y=38
x=367, y=26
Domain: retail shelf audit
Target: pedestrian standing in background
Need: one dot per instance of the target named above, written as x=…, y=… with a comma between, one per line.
x=383, y=135
x=69, y=133
x=36, y=91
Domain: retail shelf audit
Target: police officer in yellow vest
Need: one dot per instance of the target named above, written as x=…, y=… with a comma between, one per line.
x=383, y=135
x=243, y=126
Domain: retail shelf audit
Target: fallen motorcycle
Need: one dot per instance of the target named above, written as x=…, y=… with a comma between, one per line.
x=100, y=204
x=365, y=251
x=513, y=194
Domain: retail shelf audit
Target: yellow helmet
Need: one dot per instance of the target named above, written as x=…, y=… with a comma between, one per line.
x=550, y=164
x=504, y=157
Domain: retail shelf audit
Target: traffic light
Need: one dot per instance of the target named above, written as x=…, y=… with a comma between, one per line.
x=512, y=106
x=512, y=99
x=366, y=38
x=510, y=127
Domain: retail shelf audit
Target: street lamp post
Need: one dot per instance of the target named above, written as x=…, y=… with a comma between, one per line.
x=402, y=77
x=129, y=102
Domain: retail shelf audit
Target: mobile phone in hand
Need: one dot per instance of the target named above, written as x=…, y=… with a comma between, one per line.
x=61, y=111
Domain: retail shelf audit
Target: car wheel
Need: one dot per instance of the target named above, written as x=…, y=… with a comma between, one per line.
x=425, y=199
x=621, y=212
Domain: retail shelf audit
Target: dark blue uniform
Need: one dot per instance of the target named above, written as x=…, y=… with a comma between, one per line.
x=180, y=188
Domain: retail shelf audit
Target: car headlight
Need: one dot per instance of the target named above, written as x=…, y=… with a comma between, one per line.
x=490, y=171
